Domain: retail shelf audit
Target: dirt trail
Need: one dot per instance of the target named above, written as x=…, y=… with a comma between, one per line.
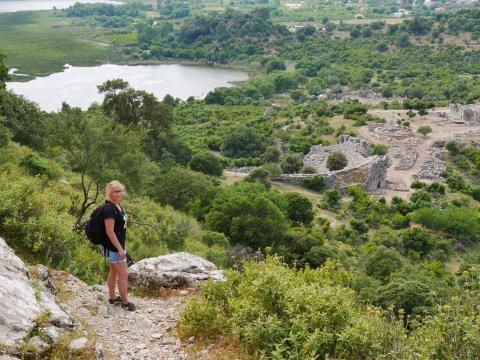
x=147, y=333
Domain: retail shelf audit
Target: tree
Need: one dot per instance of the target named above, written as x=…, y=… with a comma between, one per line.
x=275, y=64
x=299, y=209
x=418, y=240
x=124, y=104
x=248, y=214
x=242, y=142
x=99, y=151
x=332, y=197
x=292, y=164
x=23, y=119
x=316, y=183
x=382, y=263
x=181, y=187
x=424, y=130
x=272, y=154
x=3, y=72
x=411, y=295
x=5, y=134
x=260, y=175
x=206, y=163
x=336, y=161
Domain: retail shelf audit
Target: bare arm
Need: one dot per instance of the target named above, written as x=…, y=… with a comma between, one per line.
x=109, y=226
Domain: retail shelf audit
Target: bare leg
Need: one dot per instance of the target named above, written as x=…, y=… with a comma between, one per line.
x=112, y=277
x=122, y=272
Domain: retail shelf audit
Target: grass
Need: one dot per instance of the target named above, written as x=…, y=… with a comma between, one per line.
x=39, y=43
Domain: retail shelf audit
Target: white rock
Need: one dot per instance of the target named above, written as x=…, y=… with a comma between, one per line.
x=20, y=303
x=38, y=344
x=99, y=353
x=78, y=344
x=7, y=357
x=156, y=336
x=173, y=271
x=52, y=333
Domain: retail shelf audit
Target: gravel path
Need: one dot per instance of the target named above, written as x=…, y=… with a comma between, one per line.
x=147, y=333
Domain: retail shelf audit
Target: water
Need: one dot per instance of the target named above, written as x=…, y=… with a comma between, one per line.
x=24, y=5
x=77, y=86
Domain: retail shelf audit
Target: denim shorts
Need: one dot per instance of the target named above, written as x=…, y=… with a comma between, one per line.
x=113, y=257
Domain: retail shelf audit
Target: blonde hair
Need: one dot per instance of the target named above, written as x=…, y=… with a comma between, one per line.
x=112, y=185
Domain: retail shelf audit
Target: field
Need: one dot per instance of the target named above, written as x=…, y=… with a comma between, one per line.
x=39, y=43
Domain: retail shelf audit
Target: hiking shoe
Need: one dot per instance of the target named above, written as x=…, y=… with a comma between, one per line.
x=116, y=301
x=129, y=306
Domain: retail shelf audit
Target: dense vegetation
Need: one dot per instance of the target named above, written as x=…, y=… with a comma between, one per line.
x=347, y=276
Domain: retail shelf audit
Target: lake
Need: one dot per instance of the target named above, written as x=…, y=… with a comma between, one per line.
x=25, y=5
x=77, y=86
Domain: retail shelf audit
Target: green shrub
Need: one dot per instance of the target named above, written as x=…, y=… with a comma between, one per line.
x=411, y=295
x=380, y=149
x=281, y=313
x=272, y=154
x=261, y=175
x=180, y=187
x=359, y=226
x=299, y=209
x=292, y=163
x=336, y=161
x=308, y=170
x=242, y=142
x=316, y=183
x=248, y=214
x=36, y=166
x=332, y=197
x=382, y=263
x=201, y=318
x=462, y=224
x=215, y=238
x=206, y=163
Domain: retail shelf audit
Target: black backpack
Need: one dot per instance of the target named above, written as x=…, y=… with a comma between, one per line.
x=95, y=226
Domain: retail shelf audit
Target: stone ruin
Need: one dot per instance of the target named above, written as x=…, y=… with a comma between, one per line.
x=463, y=114
x=363, y=169
x=401, y=142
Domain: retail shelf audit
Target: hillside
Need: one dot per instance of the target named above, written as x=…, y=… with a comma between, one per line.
x=337, y=188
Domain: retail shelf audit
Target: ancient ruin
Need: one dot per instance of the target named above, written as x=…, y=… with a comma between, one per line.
x=462, y=114
x=363, y=169
x=401, y=142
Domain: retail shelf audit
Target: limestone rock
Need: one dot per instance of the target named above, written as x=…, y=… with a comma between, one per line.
x=22, y=302
x=173, y=271
x=43, y=274
x=78, y=344
x=38, y=344
x=52, y=333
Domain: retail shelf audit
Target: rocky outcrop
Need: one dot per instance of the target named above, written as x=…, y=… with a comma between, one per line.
x=173, y=271
x=27, y=304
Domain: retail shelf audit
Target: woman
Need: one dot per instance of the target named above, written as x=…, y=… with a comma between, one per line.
x=116, y=234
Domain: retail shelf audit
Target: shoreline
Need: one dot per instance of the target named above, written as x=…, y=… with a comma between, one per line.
x=247, y=68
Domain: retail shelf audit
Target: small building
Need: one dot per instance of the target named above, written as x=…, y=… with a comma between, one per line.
x=295, y=28
x=401, y=13
x=294, y=6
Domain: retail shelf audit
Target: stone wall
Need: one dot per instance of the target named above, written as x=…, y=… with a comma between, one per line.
x=363, y=169
x=369, y=176
x=468, y=114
